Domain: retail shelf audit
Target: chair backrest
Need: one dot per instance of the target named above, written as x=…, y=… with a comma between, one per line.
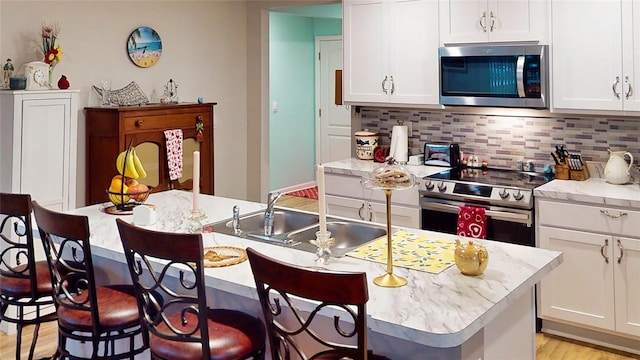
x=175, y=310
x=17, y=258
x=65, y=238
x=341, y=294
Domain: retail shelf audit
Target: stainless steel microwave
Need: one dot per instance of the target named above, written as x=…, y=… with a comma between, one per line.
x=495, y=75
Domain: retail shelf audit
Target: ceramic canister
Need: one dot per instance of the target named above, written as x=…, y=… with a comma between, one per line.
x=366, y=141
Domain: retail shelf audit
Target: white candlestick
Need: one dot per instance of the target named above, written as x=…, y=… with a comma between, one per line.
x=322, y=206
x=196, y=180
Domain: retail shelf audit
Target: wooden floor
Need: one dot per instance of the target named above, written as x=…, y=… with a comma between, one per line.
x=548, y=347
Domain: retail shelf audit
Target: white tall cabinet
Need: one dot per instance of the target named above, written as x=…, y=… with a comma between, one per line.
x=601, y=73
x=38, y=145
x=390, y=51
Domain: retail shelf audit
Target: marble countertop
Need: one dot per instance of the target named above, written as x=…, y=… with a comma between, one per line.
x=442, y=310
x=359, y=167
x=594, y=190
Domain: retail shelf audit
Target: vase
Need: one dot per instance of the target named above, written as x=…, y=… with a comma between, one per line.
x=51, y=80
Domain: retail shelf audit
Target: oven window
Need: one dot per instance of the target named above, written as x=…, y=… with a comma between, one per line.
x=499, y=230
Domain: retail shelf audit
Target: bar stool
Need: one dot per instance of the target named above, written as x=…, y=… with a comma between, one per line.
x=174, y=311
x=25, y=284
x=96, y=315
x=278, y=285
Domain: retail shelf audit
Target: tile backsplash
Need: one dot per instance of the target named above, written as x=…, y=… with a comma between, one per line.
x=503, y=140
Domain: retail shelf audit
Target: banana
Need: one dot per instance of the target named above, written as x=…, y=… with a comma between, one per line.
x=118, y=199
x=125, y=165
x=138, y=164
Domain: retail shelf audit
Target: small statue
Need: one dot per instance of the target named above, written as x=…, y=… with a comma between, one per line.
x=63, y=83
x=7, y=72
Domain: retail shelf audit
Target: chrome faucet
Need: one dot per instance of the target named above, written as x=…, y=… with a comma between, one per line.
x=236, y=220
x=269, y=216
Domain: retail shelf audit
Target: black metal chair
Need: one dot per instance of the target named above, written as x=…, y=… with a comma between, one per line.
x=174, y=310
x=98, y=315
x=25, y=284
x=342, y=293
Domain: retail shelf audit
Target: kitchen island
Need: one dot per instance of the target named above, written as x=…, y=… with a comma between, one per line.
x=444, y=316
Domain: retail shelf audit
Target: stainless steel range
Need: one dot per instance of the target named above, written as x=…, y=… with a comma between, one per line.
x=506, y=195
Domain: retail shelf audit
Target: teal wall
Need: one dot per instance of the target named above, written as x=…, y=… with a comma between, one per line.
x=292, y=86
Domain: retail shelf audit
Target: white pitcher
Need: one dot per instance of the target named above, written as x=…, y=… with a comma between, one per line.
x=617, y=169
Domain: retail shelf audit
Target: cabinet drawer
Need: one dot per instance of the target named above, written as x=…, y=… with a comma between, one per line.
x=350, y=186
x=589, y=218
x=165, y=121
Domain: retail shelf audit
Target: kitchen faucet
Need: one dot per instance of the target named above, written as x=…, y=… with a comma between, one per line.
x=236, y=220
x=269, y=216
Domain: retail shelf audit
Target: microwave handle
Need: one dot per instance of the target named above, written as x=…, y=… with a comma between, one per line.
x=520, y=76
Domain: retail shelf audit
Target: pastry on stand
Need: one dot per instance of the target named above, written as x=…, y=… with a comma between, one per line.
x=389, y=177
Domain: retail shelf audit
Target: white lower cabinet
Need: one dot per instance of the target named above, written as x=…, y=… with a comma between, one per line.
x=596, y=285
x=347, y=197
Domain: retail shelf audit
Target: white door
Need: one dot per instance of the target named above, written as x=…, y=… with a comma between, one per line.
x=333, y=122
x=585, y=76
x=627, y=268
x=581, y=288
x=463, y=21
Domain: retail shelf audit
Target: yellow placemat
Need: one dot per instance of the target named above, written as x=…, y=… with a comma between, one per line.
x=417, y=252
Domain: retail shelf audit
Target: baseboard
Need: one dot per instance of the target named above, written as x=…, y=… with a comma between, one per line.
x=612, y=341
x=297, y=187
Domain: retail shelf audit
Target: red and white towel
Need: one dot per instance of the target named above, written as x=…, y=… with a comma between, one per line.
x=472, y=222
x=174, y=153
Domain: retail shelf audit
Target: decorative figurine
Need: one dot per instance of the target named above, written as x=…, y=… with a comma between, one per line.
x=63, y=83
x=7, y=73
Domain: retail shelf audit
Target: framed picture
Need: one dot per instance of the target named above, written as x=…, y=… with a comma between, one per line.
x=144, y=47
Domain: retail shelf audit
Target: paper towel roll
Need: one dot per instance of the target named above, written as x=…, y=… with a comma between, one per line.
x=400, y=143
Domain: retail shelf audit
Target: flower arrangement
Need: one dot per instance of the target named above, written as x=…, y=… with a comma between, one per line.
x=52, y=52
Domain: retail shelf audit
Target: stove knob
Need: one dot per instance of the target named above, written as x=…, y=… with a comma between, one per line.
x=429, y=185
x=518, y=196
x=442, y=187
x=504, y=195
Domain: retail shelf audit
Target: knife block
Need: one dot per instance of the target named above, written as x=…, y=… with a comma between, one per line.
x=579, y=175
x=562, y=172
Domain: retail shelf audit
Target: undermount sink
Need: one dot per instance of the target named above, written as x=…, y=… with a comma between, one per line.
x=294, y=229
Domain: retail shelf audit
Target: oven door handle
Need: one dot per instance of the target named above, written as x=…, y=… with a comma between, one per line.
x=496, y=215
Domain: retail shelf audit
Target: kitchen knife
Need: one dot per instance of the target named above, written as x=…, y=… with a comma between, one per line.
x=555, y=158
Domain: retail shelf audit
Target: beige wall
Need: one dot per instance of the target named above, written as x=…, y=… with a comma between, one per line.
x=211, y=48
x=204, y=51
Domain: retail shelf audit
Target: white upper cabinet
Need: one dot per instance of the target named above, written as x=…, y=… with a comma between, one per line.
x=474, y=21
x=594, y=55
x=390, y=52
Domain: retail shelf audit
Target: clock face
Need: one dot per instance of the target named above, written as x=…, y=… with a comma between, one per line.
x=144, y=47
x=38, y=76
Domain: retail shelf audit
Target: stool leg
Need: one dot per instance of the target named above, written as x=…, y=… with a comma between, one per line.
x=18, y=340
x=33, y=341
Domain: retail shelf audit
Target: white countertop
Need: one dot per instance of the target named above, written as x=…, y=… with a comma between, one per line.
x=441, y=310
x=359, y=167
x=594, y=190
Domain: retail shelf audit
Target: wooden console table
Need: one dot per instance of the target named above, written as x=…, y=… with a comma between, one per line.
x=109, y=130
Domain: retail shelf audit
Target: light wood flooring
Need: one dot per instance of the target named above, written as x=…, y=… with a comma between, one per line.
x=548, y=347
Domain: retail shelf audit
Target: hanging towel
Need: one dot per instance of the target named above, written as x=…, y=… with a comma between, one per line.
x=472, y=222
x=174, y=153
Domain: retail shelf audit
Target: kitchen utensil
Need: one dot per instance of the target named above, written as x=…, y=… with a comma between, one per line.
x=617, y=169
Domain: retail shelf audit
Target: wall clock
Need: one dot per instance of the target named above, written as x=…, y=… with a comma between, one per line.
x=37, y=74
x=144, y=46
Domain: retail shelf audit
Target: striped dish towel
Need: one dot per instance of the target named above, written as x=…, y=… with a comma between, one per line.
x=174, y=152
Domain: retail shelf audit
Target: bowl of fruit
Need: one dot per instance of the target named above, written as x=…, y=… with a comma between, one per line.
x=125, y=190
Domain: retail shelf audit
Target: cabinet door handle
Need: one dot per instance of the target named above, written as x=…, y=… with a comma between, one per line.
x=482, y=24
x=139, y=123
x=370, y=213
x=493, y=21
x=393, y=85
x=617, y=216
x=621, y=251
x=629, y=88
x=360, y=212
x=606, y=244
x=615, y=86
x=384, y=89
